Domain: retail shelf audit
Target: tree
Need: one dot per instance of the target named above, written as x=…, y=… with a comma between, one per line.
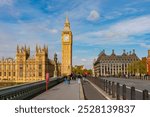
x=138, y=67
x=77, y=70
x=81, y=70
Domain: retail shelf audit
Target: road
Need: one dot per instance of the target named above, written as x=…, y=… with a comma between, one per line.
x=139, y=85
x=91, y=93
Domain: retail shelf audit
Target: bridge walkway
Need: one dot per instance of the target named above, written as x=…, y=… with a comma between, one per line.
x=62, y=91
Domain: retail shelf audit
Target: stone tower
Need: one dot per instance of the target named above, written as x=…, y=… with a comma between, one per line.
x=22, y=54
x=55, y=66
x=41, y=59
x=66, y=67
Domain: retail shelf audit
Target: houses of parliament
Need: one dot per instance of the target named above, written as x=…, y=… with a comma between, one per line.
x=25, y=68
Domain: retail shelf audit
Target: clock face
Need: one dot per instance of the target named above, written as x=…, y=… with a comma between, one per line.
x=66, y=38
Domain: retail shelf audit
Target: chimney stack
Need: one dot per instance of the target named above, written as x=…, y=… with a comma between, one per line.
x=113, y=52
x=103, y=51
x=124, y=51
x=133, y=51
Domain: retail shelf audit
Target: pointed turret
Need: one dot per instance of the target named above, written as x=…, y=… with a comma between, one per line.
x=124, y=53
x=28, y=50
x=67, y=24
x=17, y=48
x=39, y=49
x=36, y=48
x=67, y=20
x=55, y=57
x=25, y=48
x=44, y=47
x=21, y=48
x=47, y=48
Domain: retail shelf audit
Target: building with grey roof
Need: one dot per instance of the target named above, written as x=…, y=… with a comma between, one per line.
x=113, y=65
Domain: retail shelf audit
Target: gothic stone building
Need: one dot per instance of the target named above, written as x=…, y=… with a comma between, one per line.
x=113, y=65
x=25, y=68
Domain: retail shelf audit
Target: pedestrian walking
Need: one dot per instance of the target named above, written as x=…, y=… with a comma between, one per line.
x=65, y=79
x=68, y=79
x=79, y=81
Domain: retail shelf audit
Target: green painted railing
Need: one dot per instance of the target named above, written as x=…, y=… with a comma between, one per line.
x=27, y=91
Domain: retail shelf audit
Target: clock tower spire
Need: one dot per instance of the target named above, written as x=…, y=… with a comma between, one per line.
x=67, y=25
x=66, y=67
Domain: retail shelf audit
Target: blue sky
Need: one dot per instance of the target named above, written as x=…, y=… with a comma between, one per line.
x=96, y=25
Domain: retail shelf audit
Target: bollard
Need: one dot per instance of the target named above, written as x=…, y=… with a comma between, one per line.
x=113, y=90
x=145, y=95
x=132, y=93
x=101, y=84
x=103, y=81
x=109, y=89
x=124, y=92
x=99, y=80
x=106, y=86
x=118, y=91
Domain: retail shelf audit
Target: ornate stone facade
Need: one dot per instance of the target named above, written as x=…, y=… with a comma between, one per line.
x=113, y=65
x=25, y=68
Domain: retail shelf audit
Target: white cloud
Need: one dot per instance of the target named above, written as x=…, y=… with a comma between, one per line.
x=83, y=60
x=53, y=31
x=81, y=8
x=94, y=15
x=145, y=45
x=113, y=15
x=119, y=33
x=127, y=28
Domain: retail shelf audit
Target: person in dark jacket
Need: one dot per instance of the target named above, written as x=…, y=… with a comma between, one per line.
x=68, y=79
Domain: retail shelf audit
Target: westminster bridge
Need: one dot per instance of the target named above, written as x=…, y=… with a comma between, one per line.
x=80, y=89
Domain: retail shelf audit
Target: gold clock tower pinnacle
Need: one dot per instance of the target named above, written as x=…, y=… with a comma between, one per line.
x=66, y=67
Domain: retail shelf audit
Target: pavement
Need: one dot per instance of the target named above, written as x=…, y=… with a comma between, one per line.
x=62, y=91
x=92, y=92
x=73, y=91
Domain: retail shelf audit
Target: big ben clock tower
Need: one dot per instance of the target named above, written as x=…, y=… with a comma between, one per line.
x=66, y=67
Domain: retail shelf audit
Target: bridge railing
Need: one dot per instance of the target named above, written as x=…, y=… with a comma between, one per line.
x=118, y=91
x=129, y=77
x=27, y=91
